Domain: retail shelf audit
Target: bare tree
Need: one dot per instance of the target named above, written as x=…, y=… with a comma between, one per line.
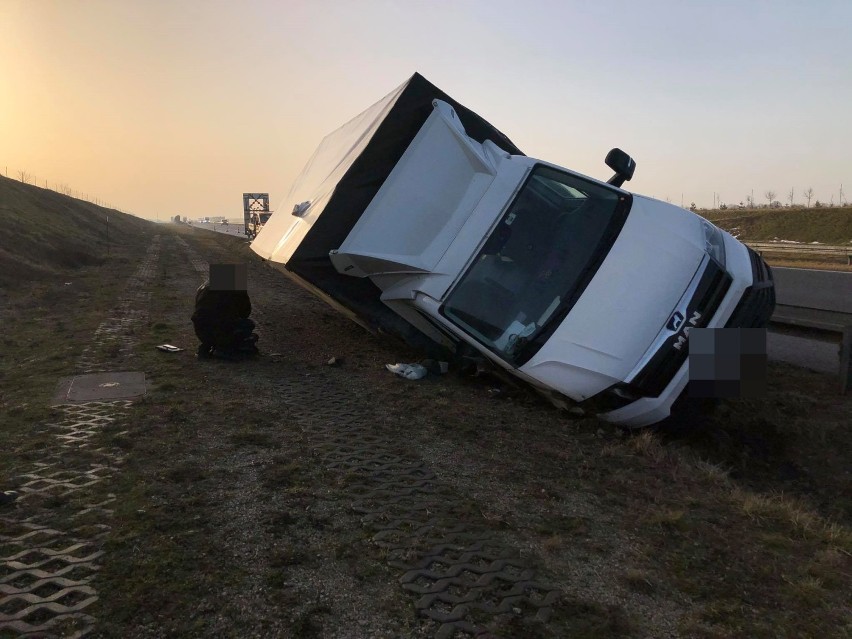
x=770, y=195
x=790, y=196
x=809, y=194
x=23, y=176
x=750, y=201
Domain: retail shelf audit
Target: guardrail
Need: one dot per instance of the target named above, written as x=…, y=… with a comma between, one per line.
x=802, y=249
x=844, y=348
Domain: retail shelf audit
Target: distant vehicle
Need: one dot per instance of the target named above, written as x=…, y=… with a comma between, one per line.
x=224, y=221
x=420, y=218
x=205, y=220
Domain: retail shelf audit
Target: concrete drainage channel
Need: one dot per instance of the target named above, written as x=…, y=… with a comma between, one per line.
x=48, y=561
x=462, y=576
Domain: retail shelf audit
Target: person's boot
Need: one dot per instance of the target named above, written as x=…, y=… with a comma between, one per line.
x=205, y=351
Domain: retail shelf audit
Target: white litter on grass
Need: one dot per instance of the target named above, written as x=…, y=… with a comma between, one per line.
x=408, y=371
x=168, y=348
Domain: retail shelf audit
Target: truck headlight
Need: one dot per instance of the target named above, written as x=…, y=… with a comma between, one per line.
x=714, y=242
x=613, y=398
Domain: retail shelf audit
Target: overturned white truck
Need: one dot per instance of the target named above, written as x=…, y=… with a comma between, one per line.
x=421, y=219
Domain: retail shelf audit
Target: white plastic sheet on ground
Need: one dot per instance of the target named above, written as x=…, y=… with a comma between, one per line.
x=408, y=371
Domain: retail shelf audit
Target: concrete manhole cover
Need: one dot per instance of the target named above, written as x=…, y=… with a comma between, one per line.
x=100, y=386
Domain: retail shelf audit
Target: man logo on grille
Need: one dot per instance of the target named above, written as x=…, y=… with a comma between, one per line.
x=681, y=339
x=675, y=322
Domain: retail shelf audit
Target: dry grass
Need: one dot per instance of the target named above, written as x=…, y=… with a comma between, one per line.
x=826, y=225
x=228, y=521
x=50, y=236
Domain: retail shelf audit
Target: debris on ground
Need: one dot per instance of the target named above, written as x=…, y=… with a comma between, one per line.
x=408, y=371
x=435, y=367
x=169, y=348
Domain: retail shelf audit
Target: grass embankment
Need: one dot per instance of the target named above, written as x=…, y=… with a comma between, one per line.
x=58, y=281
x=825, y=225
x=46, y=234
x=228, y=522
x=830, y=226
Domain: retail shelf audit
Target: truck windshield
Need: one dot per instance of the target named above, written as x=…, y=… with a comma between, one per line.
x=537, y=262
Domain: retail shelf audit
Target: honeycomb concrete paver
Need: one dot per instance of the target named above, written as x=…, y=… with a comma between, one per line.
x=114, y=338
x=48, y=562
x=464, y=579
x=201, y=267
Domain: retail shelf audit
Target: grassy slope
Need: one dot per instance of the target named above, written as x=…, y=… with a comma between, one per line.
x=826, y=225
x=740, y=525
x=46, y=233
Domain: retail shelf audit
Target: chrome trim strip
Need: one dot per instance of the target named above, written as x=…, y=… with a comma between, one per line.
x=665, y=333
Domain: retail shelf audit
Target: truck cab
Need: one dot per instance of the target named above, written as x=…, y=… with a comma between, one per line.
x=574, y=285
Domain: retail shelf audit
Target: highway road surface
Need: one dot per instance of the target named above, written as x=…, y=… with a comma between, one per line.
x=816, y=355
x=230, y=229
x=810, y=298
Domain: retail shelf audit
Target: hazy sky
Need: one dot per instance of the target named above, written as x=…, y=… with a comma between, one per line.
x=179, y=106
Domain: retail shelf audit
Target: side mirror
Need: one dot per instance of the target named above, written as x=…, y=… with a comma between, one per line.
x=622, y=164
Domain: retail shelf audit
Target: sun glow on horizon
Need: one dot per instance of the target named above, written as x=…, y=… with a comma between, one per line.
x=165, y=108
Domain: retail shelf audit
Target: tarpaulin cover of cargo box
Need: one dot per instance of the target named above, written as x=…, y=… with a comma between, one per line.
x=336, y=187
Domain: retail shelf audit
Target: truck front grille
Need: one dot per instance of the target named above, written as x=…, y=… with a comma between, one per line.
x=758, y=301
x=670, y=348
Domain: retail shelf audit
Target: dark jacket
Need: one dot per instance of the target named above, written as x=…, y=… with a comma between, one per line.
x=220, y=315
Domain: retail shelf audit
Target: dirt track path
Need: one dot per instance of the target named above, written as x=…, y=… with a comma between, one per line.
x=51, y=543
x=286, y=497
x=390, y=528
x=341, y=501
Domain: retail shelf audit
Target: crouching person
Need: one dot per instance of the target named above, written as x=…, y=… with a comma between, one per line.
x=222, y=309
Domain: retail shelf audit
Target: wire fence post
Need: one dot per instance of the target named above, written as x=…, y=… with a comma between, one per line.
x=846, y=360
